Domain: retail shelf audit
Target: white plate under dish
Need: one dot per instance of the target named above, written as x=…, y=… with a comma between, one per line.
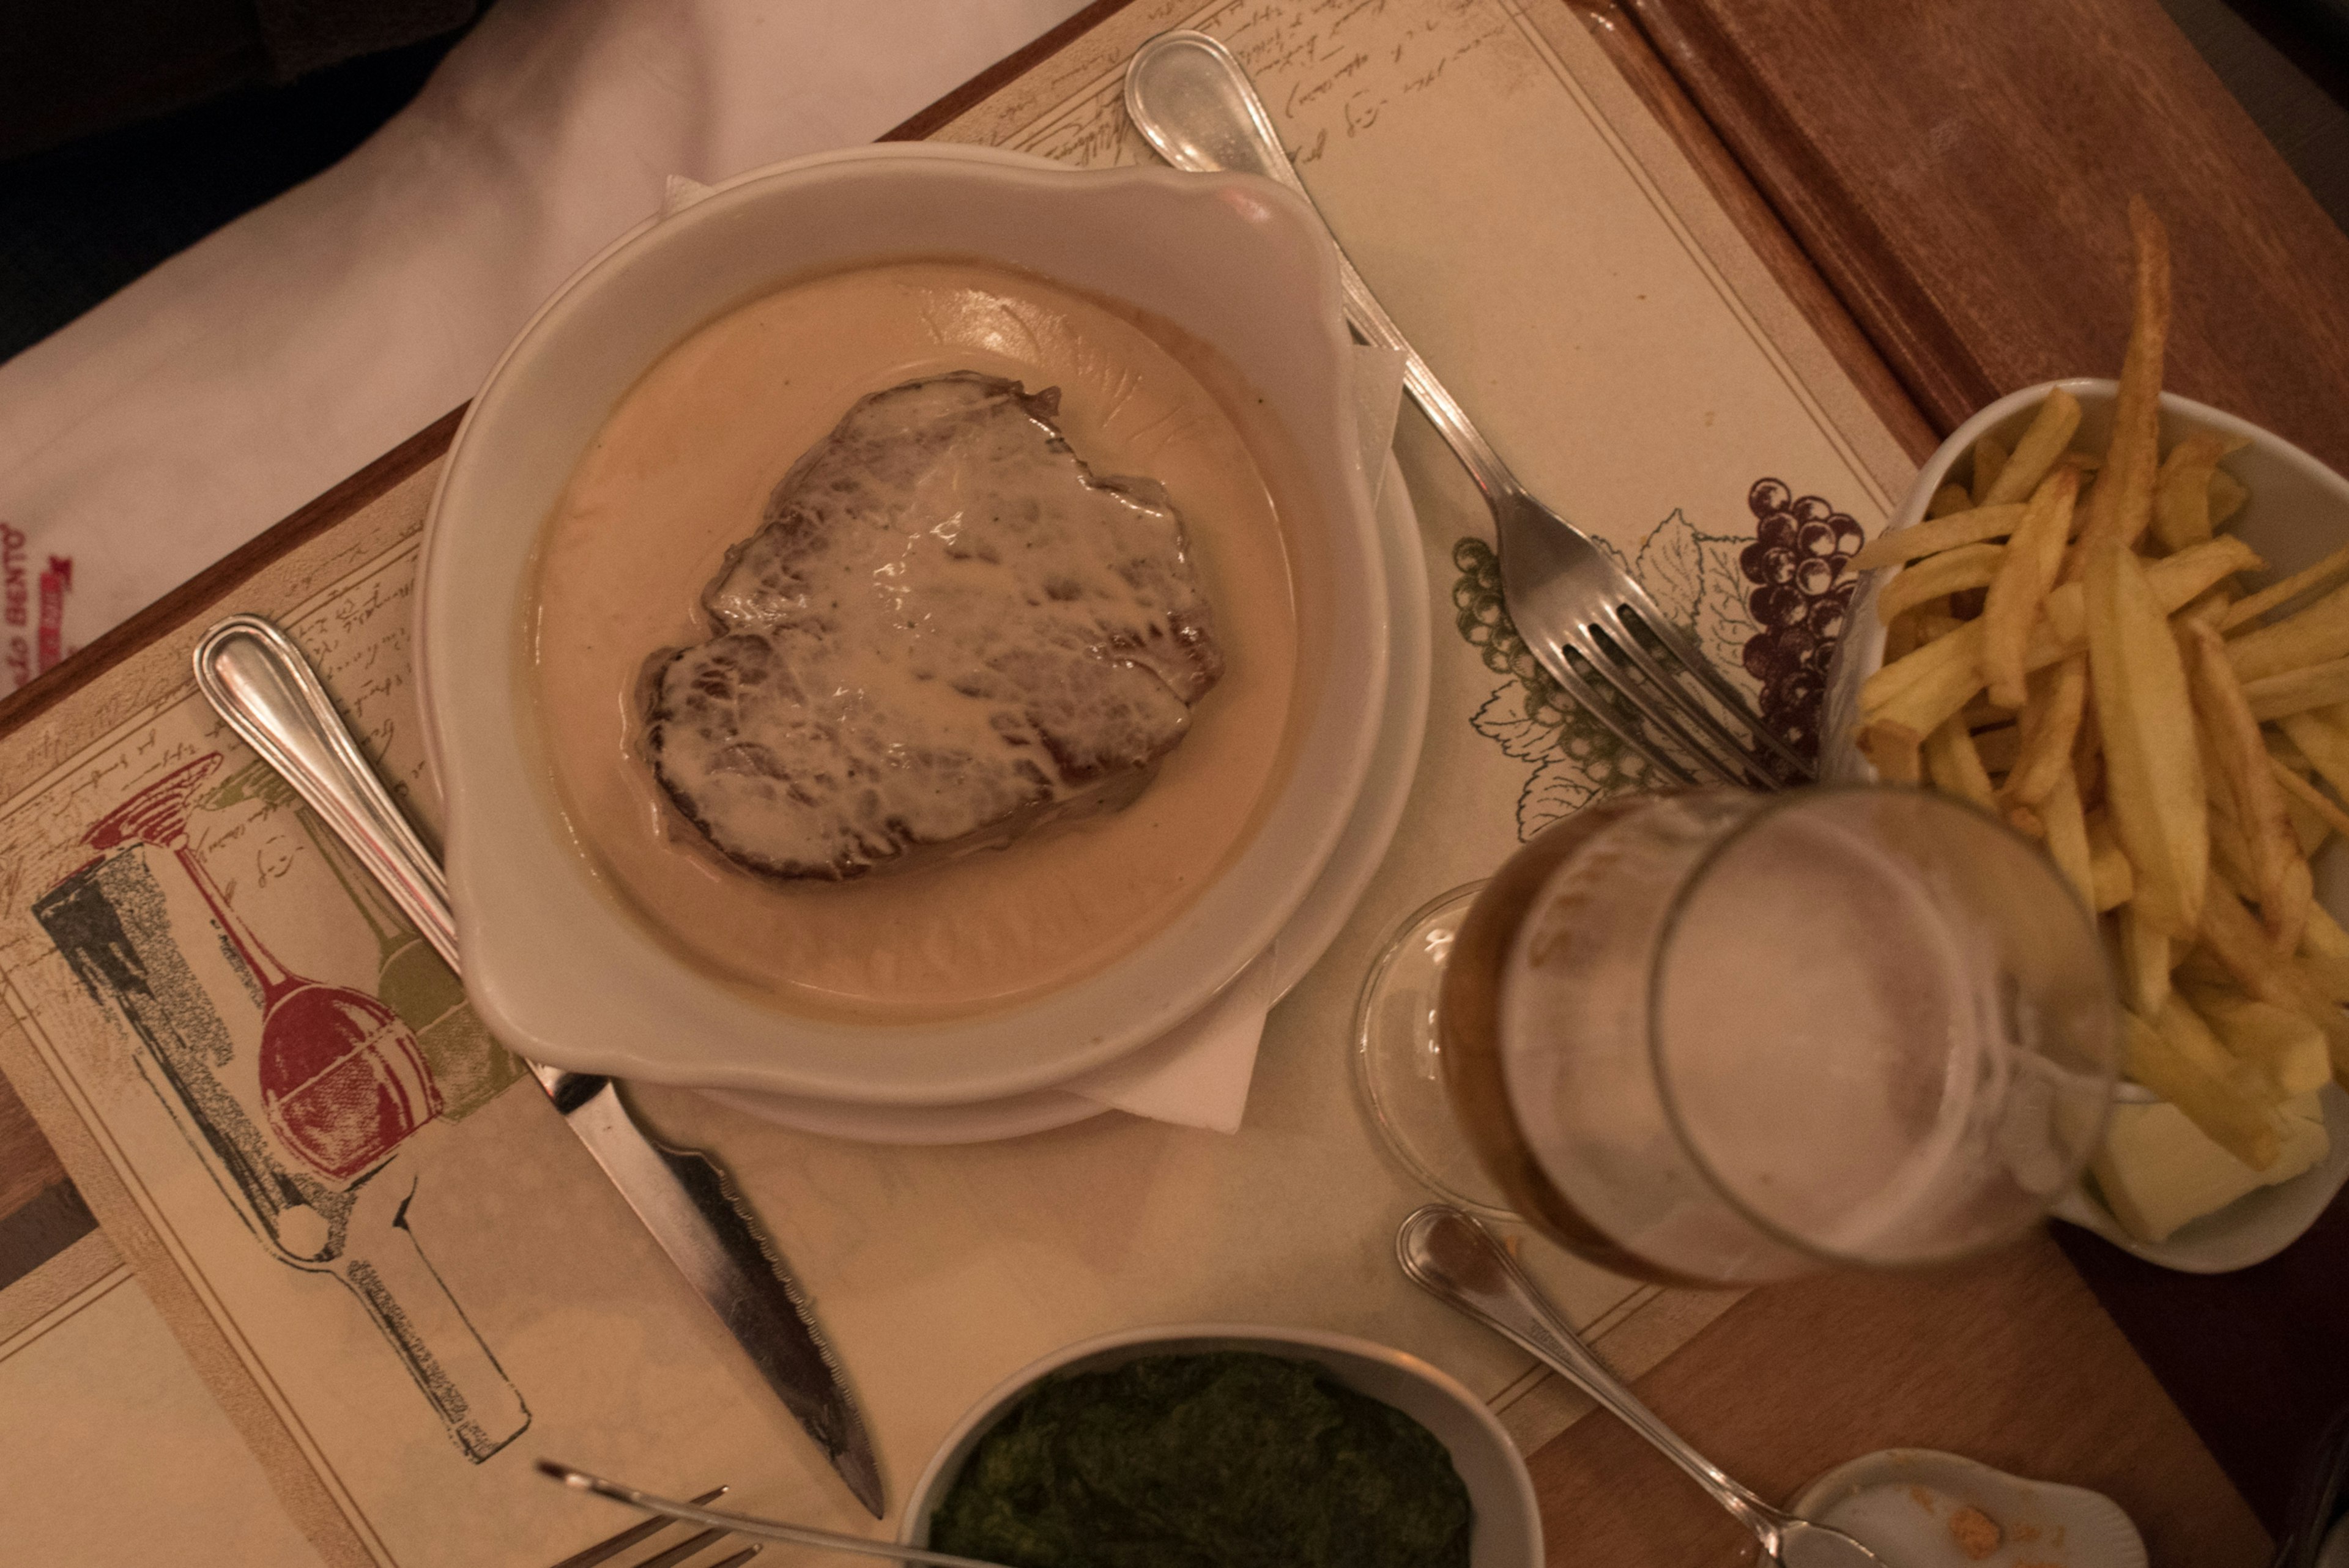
x=1300, y=943
x=555, y=966
x=2297, y=513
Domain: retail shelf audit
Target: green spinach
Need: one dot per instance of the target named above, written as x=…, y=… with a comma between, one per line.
x=1225, y=1460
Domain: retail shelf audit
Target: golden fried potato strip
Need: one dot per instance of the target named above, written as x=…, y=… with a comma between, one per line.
x=2153, y=771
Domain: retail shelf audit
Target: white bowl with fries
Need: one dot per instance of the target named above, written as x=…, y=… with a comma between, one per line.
x=2292, y=514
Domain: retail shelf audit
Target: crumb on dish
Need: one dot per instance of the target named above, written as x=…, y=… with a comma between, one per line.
x=1977, y=1534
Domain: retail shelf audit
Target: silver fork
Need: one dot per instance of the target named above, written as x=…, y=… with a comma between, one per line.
x=667, y=1509
x=670, y=1557
x=1589, y=622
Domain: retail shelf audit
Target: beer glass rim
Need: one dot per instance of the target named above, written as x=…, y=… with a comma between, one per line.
x=1768, y=809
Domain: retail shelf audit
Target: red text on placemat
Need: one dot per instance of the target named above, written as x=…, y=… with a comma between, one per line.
x=15, y=607
x=56, y=581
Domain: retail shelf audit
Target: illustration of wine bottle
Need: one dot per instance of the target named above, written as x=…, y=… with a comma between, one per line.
x=343, y=1084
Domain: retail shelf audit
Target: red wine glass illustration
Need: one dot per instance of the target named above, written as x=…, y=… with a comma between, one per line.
x=342, y=1080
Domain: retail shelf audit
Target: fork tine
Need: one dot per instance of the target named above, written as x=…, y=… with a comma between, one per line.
x=1553, y=659
x=1645, y=617
x=739, y=1557
x=1591, y=643
x=1623, y=628
x=681, y=1550
x=603, y=1551
x=1623, y=644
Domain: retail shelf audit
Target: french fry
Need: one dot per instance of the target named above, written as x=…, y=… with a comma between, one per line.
x=2329, y=573
x=2309, y=795
x=2307, y=636
x=2209, y=606
x=1950, y=571
x=2067, y=842
x=2116, y=882
x=2285, y=887
x=1955, y=767
x=2049, y=725
x=2036, y=453
x=2153, y=775
x=2025, y=572
x=2231, y=852
x=2181, y=492
x=2235, y=1121
x=2286, y=1049
x=2120, y=506
x=1946, y=530
x=2240, y=946
x=1894, y=750
x=2297, y=691
x=1940, y=677
x=2175, y=580
x=1948, y=499
x=2144, y=955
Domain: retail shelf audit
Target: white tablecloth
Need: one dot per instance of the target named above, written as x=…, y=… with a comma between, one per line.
x=253, y=371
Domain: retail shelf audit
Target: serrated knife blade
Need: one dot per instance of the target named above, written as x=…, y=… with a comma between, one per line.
x=259, y=681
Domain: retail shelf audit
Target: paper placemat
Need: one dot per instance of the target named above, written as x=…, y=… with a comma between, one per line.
x=1567, y=274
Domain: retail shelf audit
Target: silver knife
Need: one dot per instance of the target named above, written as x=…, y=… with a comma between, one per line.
x=258, y=679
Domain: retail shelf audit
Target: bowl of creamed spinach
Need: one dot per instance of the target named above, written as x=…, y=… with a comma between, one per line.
x=1218, y=1446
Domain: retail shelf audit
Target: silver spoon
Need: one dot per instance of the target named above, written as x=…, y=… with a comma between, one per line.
x=757, y=1529
x=1453, y=1258
x=1587, y=620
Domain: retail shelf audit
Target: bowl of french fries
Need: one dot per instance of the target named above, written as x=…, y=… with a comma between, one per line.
x=2118, y=621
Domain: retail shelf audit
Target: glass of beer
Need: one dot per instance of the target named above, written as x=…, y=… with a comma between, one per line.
x=1720, y=1039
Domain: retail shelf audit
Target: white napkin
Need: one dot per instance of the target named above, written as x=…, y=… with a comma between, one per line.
x=266, y=363
x=1198, y=1075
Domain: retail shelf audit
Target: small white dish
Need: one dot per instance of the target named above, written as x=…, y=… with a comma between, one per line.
x=2298, y=512
x=2252, y=1229
x=1301, y=941
x=557, y=968
x=1899, y=1504
x=1507, y=1532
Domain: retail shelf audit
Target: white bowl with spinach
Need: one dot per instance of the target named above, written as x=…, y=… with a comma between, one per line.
x=1229, y=1442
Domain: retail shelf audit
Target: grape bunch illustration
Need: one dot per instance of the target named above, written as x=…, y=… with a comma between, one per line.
x=1800, y=568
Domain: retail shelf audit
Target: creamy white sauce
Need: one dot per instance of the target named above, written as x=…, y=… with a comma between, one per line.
x=681, y=472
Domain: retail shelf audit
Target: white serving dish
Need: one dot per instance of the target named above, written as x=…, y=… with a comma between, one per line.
x=1898, y=1501
x=1507, y=1531
x=2298, y=512
x=1301, y=941
x=557, y=969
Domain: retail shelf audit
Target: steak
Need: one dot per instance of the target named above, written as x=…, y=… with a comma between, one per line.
x=947, y=631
